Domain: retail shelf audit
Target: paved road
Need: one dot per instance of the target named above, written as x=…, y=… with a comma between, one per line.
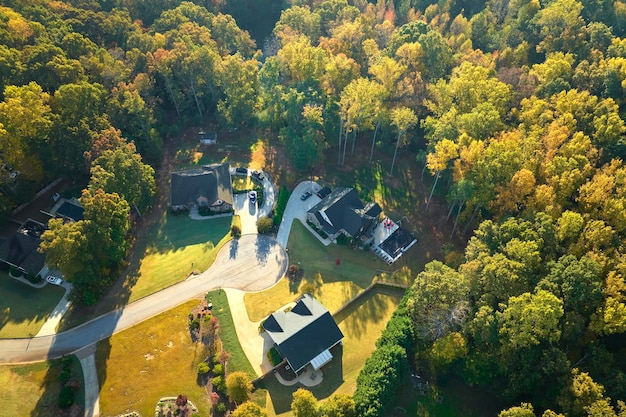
x=251, y=263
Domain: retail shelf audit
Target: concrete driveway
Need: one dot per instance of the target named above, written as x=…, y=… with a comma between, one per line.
x=296, y=209
x=250, y=263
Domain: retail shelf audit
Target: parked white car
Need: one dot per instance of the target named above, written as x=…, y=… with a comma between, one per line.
x=54, y=280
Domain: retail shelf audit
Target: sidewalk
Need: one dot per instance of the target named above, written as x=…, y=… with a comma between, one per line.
x=50, y=326
x=87, y=357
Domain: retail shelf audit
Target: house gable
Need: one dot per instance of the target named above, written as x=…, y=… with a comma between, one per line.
x=304, y=332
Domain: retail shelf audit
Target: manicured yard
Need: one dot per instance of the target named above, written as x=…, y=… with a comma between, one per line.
x=32, y=390
x=172, y=249
x=334, y=284
x=361, y=325
x=24, y=309
x=154, y=359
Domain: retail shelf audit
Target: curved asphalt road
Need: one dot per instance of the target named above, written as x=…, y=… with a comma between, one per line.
x=250, y=263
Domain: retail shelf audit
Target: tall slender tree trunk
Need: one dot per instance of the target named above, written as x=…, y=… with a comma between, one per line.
x=433, y=189
x=169, y=89
x=450, y=211
x=374, y=140
x=471, y=219
x=340, y=135
x=395, y=153
x=345, y=148
x=195, y=97
x=423, y=170
x=456, y=221
x=353, y=142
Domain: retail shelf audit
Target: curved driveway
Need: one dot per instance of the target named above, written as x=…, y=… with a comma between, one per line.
x=250, y=263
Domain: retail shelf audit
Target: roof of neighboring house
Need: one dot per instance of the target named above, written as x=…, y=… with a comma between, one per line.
x=304, y=332
x=21, y=248
x=343, y=209
x=70, y=210
x=211, y=182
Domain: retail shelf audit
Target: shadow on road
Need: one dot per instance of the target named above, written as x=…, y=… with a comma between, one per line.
x=234, y=245
x=263, y=248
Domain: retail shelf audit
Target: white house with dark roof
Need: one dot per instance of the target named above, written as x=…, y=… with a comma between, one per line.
x=343, y=212
x=209, y=186
x=305, y=334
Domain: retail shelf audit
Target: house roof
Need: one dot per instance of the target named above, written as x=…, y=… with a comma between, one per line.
x=210, y=182
x=304, y=332
x=20, y=249
x=343, y=209
x=71, y=211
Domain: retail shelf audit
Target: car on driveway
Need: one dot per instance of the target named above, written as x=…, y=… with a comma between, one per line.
x=306, y=195
x=54, y=280
x=252, y=196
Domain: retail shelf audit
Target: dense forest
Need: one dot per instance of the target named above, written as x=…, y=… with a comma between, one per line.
x=515, y=108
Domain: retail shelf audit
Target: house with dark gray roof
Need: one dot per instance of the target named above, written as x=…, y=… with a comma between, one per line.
x=305, y=334
x=209, y=186
x=343, y=212
x=20, y=250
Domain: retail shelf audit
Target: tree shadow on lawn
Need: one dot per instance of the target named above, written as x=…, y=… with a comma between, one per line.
x=366, y=310
x=23, y=303
x=47, y=404
x=281, y=395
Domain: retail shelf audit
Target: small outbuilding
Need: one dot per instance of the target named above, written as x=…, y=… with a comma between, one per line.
x=207, y=138
x=305, y=334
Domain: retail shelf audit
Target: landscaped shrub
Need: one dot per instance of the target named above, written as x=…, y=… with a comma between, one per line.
x=218, y=370
x=274, y=356
x=235, y=231
x=264, y=224
x=203, y=368
x=66, y=398
x=342, y=240
x=281, y=203
x=220, y=408
x=219, y=383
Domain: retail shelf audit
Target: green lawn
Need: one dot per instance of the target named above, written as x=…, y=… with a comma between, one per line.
x=32, y=390
x=153, y=359
x=24, y=309
x=334, y=284
x=172, y=249
x=361, y=324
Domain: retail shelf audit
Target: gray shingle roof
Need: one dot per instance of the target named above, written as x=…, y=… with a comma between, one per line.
x=212, y=182
x=343, y=209
x=21, y=248
x=304, y=332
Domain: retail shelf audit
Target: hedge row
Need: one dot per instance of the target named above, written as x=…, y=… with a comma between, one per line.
x=386, y=368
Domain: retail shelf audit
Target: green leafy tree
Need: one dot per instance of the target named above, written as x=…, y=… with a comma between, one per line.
x=249, y=409
x=304, y=404
x=121, y=171
x=338, y=405
x=238, y=386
